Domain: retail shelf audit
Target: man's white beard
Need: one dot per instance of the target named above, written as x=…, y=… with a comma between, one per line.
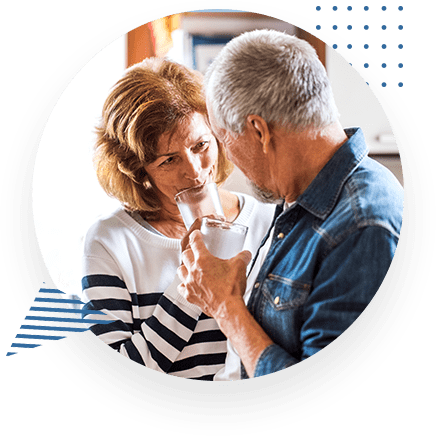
x=264, y=195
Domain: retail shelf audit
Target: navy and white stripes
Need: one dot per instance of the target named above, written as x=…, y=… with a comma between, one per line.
x=154, y=330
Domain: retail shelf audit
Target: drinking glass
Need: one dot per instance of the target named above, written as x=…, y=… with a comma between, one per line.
x=223, y=239
x=198, y=202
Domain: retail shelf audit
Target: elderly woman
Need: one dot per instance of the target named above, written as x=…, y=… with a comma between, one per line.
x=154, y=141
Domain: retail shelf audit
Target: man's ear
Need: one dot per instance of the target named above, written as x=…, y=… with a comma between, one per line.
x=258, y=127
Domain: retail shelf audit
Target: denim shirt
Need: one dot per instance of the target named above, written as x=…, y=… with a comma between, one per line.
x=329, y=254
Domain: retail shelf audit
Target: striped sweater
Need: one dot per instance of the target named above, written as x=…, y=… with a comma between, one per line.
x=129, y=272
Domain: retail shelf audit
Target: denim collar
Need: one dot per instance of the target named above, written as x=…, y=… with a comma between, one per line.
x=321, y=195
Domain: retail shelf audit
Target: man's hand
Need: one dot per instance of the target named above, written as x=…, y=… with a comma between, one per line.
x=212, y=284
x=217, y=286
x=196, y=225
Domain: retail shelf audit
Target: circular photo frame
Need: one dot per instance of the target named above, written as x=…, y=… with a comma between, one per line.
x=272, y=401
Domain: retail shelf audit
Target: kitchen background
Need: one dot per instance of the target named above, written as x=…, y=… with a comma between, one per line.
x=67, y=197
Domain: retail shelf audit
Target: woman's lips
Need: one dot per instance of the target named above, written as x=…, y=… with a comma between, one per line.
x=200, y=185
x=209, y=179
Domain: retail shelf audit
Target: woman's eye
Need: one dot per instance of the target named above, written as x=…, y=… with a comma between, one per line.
x=201, y=145
x=167, y=161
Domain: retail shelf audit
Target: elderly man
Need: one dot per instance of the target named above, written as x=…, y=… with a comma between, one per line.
x=338, y=222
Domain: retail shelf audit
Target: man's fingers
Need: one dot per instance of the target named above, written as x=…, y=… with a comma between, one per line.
x=182, y=272
x=188, y=257
x=196, y=243
x=182, y=290
x=244, y=256
x=196, y=225
x=216, y=217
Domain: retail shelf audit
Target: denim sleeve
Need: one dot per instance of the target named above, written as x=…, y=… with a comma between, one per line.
x=345, y=283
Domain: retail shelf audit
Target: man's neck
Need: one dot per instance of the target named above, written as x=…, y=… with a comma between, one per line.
x=302, y=155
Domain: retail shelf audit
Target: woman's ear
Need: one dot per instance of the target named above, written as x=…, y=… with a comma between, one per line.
x=260, y=131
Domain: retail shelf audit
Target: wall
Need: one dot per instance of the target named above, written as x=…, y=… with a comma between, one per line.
x=358, y=106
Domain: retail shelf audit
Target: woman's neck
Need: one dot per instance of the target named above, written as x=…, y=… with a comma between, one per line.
x=169, y=223
x=230, y=204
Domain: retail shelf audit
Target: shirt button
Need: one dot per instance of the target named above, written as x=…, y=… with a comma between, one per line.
x=276, y=300
x=257, y=284
x=281, y=235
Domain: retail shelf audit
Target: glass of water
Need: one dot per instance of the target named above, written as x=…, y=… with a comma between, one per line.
x=223, y=239
x=198, y=202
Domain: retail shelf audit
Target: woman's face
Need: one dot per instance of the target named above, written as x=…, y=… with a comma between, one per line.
x=185, y=159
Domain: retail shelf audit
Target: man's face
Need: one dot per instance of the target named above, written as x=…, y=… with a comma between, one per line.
x=264, y=195
x=234, y=146
x=247, y=156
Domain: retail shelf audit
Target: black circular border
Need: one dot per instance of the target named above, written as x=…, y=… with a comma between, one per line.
x=237, y=407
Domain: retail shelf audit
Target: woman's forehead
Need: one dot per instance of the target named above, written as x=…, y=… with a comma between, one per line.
x=187, y=132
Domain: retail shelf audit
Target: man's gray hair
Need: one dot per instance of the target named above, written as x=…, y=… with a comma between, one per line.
x=271, y=74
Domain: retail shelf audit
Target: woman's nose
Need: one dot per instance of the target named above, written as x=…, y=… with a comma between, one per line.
x=192, y=167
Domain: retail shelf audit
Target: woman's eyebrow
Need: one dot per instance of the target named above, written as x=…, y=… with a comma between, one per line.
x=166, y=155
x=200, y=138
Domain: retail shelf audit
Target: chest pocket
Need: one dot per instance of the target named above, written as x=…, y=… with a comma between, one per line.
x=282, y=293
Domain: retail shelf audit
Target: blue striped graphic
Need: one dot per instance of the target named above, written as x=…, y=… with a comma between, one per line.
x=53, y=338
x=57, y=329
x=57, y=300
x=50, y=291
x=54, y=319
x=25, y=345
x=55, y=309
x=52, y=304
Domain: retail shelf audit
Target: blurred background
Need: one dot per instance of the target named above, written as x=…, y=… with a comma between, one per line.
x=66, y=196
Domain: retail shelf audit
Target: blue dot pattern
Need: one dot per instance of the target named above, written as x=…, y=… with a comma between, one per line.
x=383, y=46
